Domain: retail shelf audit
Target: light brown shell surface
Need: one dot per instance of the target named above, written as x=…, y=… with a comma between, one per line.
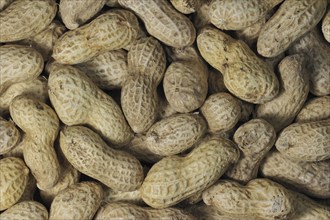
x=245, y=75
x=89, y=154
x=326, y=26
x=13, y=179
x=163, y=22
x=176, y=178
x=26, y=210
x=187, y=6
x=293, y=19
x=77, y=100
x=308, y=141
x=9, y=136
x=315, y=109
x=26, y=18
x=79, y=201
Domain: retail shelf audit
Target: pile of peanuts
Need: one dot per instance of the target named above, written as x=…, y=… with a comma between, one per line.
x=164, y=109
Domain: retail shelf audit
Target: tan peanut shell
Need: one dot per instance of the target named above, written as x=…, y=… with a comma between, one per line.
x=187, y=6
x=221, y=111
x=139, y=98
x=317, y=51
x=77, y=100
x=26, y=18
x=326, y=26
x=111, y=196
x=216, y=82
x=75, y=13
x=163, y=22
x=26, y=210
x=13, y=179
x=300, y=15
x=175, y=134
x=17, y=151
x=176, y=178
x=41, y=125
x=239, y=14
x=112, y=30
x=294, y=89
x=45, y=40
x=89, y=154
x=18, y=64
x=79, y=201
x=254, y=138
x=130, y=211
x=4, y=4
x=315, y=109
x=260, y=198
x=245, y=75
x=311, y=178
x=308, y=141
x=108, y=70
x=9, y=136
x=36, y=88
x=30, y=189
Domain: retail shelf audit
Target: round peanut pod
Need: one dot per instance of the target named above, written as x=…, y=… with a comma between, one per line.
x=175, y=134
x=236, y=15
x=77, y=100
x=108, y=70
x=260, y=198
x=222, y=111
x=112, y=30
x=245, y=75
x=76, y=13
x=316, y=109
x=13, y=179
x=163, y=22
x=326, y=26
x=293, y=19
x=79, y=201
x=33, y=116
x=305, y=141
x=187, y=6
x=117, y=169
x=254, y=138
x=26, y=18
x=310, y=178
x=130, y=211
x=294, y=89
x=26, y=210
x=175, y=178
x=36, y=88
x=317, y=51
x=18, y=64
x=9, y=136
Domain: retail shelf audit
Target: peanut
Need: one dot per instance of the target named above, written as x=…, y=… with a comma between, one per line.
x=305, y=141
x=26, y=210
x=33, y=116
x=221, y=111
x=308, y=177
x=245, y=75
x=29, y=190
x=293, y=19
x=36, y=88
x=9, y=136
x=131, y=211
x=111, y=196
x=76, y=13
x=326, y=26
x=260, y=198
x=90, y=155
x=163, y=22
x=139, y=98
x=79, y=201
x=236, y=15
x=318, y=63
x=108, y=70
x=294, y=89
x=112, y=30
x=13, y=179
x=18, y=64
x=315, y=109
x=77, y=100
x=175, y=178
x=254, y=138
x=187, y=6
x=175, y=134
x=26, y=18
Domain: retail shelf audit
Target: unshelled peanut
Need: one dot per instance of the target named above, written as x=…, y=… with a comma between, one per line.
x=9, y=136
x=26, y=210
x=315, y=109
